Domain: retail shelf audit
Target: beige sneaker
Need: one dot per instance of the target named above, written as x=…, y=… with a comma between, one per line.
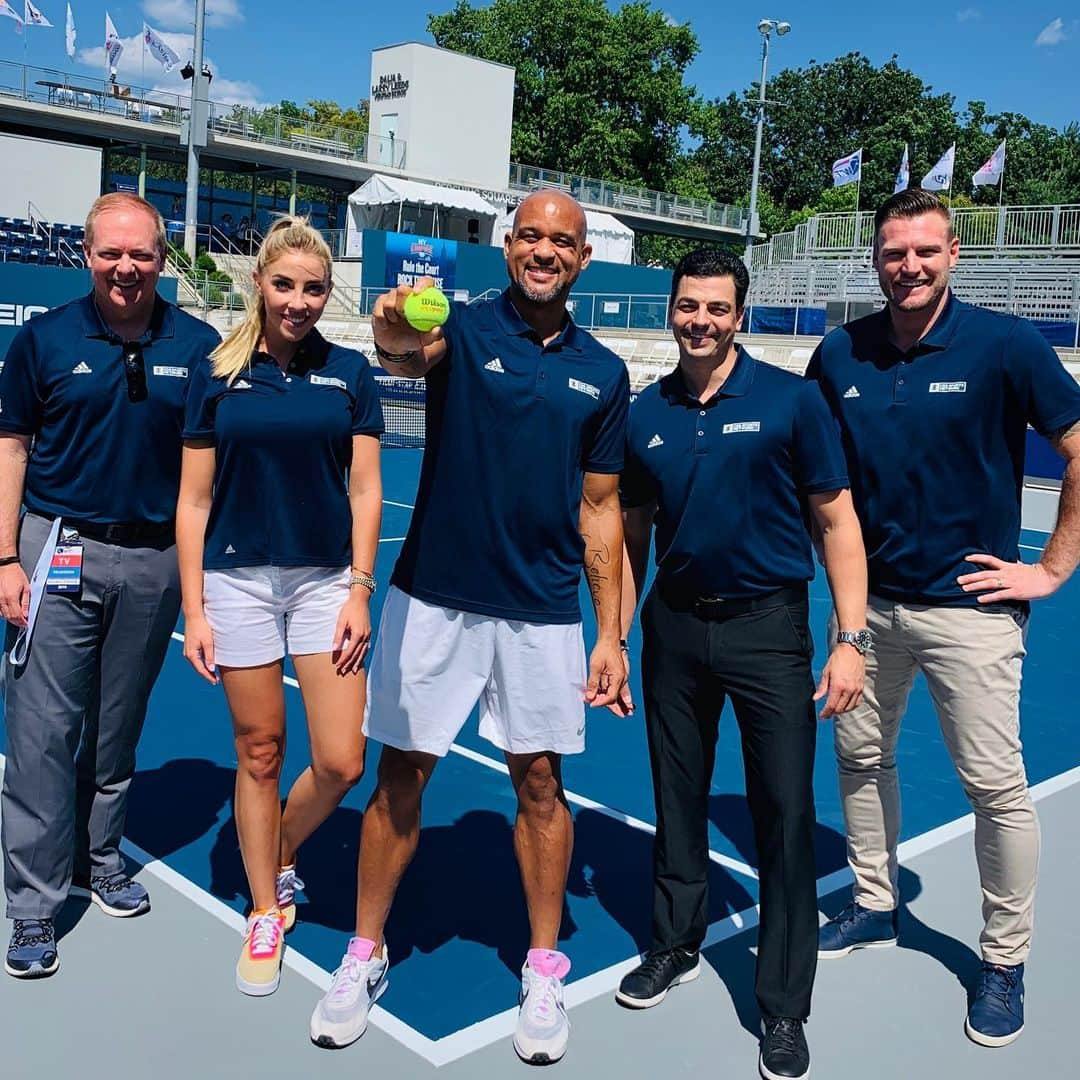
x=287, y=886
x=258, y=971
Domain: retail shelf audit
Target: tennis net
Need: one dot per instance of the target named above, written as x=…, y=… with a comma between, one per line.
x=402, y=403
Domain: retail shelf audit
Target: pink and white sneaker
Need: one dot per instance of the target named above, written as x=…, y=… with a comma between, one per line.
x=258, y=971
x=341, y=1016
x=543, y=1029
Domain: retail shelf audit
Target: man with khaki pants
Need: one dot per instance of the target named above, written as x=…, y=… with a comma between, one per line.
x=933, y=397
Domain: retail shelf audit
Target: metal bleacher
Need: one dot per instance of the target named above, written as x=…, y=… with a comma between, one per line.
x=33, y=240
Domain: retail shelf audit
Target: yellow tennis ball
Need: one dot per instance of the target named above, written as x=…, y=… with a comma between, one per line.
x=426, y=310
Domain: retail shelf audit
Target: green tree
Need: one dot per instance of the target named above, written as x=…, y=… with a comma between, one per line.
x=597, y=91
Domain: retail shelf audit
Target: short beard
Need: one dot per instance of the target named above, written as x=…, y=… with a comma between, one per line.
x=535, y=297
x=937, y=290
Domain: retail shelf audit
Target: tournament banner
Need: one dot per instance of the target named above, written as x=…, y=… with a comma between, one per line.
x=409, y=257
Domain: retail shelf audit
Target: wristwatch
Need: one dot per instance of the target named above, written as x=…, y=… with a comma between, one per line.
x=861, y=639
x=360, y=577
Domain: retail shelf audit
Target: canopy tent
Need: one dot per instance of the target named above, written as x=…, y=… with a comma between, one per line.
x=611, y=240
x=396, y=205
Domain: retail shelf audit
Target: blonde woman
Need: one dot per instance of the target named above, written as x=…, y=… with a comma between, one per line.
x=277, y=528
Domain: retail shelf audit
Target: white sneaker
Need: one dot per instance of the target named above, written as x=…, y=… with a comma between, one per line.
x=542, y=1027
x=341, y=1016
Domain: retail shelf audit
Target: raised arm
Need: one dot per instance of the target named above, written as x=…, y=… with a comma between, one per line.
x=400, y=349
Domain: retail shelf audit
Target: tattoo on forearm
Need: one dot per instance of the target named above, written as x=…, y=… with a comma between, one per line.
x=597, y=562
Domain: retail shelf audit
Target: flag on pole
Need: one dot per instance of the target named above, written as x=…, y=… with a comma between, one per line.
x=32, y=16
x=9, y=12
x=940, y=176
x=847, y=170
x=113, y=45
x=903, y=176
x=69, y=34
x=159, y=49
x=990, y=172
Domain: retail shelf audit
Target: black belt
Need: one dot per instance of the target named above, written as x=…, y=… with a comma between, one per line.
x=715, y=608
x=123, y=532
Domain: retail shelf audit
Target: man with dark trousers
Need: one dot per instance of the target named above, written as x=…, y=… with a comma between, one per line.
x=934, y=397
x=731, y=457
x=93, y=405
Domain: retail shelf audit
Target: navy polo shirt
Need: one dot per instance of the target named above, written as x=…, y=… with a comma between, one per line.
x=512, y=426
x=283, y=447
x=730, y=477
x=97, y=456
x=935, y=440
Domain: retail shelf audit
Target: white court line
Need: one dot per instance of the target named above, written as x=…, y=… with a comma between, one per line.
x=1030, y=547
x=406, y=506
x=453, y=1047
x=391, y=539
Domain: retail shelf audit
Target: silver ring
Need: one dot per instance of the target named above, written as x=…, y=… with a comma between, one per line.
x=1001, y=583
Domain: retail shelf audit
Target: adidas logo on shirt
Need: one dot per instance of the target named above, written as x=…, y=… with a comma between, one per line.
x=495, y=365
x=851, y=392
x=82, y=368
x=230, y=550
x=654, y=442
x=241, y=384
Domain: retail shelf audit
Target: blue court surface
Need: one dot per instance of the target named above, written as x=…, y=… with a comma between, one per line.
x=459, y=920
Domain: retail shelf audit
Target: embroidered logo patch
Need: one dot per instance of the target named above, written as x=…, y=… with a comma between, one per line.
x=654, y=442
x=325, y=380
x=241, y=384
x=82, y=368
x=852, y=392
x=746, y=425
x=584, y=387
x=948, y=388
x=495, y=365
x=172, y=372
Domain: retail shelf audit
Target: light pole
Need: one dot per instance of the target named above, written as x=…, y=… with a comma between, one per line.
x=196, y=132
x=765, y=28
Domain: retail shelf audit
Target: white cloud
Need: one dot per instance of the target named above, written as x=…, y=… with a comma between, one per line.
x=969, y=14
x=1053, y=33
x=133, y=67
x=180, y=14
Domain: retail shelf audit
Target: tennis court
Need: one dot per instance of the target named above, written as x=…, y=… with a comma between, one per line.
x=461, y=906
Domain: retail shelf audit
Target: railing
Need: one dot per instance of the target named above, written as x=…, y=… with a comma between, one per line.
x=526, y=179
x=86, y=94
x=1049, y=230
x=275, y=129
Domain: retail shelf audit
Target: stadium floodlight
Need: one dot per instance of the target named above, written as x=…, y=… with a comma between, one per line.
x=765, y=28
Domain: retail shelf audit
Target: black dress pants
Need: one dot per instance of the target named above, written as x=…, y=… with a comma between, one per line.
x=761, y=661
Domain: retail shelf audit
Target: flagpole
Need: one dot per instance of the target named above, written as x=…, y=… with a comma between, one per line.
x=1001, y=178
x=142, y=73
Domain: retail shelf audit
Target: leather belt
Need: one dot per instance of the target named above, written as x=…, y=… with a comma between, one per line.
x=716, y=608
x=123, y=532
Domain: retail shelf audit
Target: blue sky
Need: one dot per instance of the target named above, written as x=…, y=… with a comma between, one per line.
x=1020, y=57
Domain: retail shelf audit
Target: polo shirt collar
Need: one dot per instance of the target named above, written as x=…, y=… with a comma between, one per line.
x=737, y=384
x=162, y=321
x=311, y=354
x=511, y=322
x=941, y=333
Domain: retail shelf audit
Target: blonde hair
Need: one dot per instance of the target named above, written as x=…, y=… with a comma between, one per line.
x=233, y=355
x=125, y=200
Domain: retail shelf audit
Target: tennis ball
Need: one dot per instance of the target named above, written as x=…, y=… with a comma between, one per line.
x=426, y=310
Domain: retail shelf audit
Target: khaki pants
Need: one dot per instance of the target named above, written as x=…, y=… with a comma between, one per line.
x=972, y=660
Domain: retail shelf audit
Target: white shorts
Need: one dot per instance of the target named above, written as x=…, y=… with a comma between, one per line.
x=431, y=664
x=260, y=613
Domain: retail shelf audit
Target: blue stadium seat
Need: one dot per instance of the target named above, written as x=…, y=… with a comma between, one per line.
x=51, y=258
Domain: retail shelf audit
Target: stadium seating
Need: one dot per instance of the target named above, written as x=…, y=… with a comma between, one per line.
x=41, y=243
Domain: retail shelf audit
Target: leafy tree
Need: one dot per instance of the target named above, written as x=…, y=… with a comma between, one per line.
x=598, y=92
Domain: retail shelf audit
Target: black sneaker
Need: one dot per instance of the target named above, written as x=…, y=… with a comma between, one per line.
x=784, y=1053
x=647, y=985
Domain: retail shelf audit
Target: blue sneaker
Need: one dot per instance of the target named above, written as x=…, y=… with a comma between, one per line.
x=996, y=1015
x=32, y=953
x=116, y=894
x=857, y=927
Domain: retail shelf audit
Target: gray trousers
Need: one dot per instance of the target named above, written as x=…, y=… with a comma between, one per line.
x=74, y=714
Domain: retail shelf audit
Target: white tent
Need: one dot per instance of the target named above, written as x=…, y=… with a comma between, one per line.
x=395, y=205
x=611, y=240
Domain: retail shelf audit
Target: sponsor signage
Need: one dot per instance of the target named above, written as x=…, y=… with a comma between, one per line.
x=410, y=257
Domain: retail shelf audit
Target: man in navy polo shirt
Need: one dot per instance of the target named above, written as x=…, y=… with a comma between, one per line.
x=934, y=397
x=526, y=417
x=730, y=457
x=98, y=385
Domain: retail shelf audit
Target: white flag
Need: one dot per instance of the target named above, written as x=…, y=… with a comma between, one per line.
x=903, y=176
x=8, y=11
x=69, y=34
x=32, y=16
x=113, y=45
x=990, y=172
x=159, y=49
x=940, y=176
x=847, y=170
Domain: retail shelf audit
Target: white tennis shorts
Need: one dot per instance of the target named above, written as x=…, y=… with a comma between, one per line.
x=260, y=613
x=430, y=665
